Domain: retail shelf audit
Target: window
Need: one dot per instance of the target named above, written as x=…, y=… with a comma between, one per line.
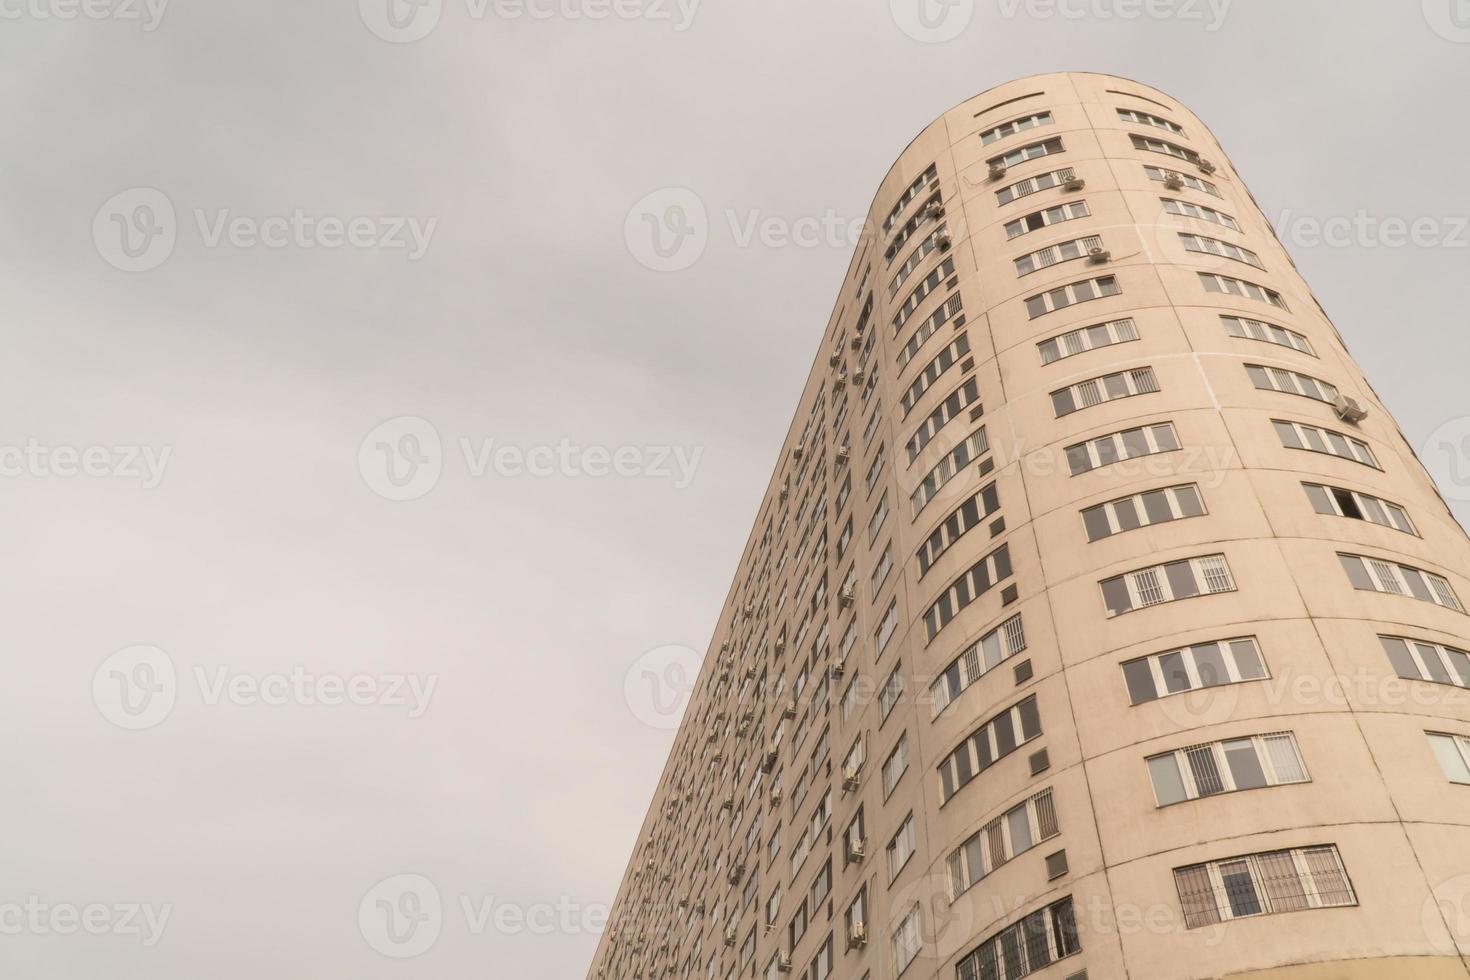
x=880, y=572
x=822, y=885
x=796, y=929
x=950, y=309
x=875, y=467
x=1086, y=339
x=1246, y=328
x=1071, y=294
x=821, y=967
x=773, y=906
x=1046, y=217
x=1031, y=185
x=891, y=691
x=885, y=629
x=855, y=836
x=971, y=449
x=849, y=699
x=1193, y=667
x=1213, y=246
x=857, y=755
x=1109, y=387
x=1239, y=287
x=1153, y=145
x=964, y=517
x=1148, y=119
x=1030, y=151
x=895, y=765
x=1014, y=126
x=926, y=286
x=901, y=847
x=856, y=915
x=1053, y=254
x=908, y=939
x=1167, y=583
x=978, y=659
x=875, y=523
x=1142, y=510
x=1290, y=382
x=1299, y=435
x=967, y=394
x=1188, y=180
x=987, y=745
x=1421, y=660
x=843, y=540
x=984, y=574
x=1189, y=209
x=1225, y=767
x=1115, y=447
x=942, y=362
x=1037, y=941
x=1263, y=884
x=1453, y=753
x=1358, y=506
x=1378, y=575
x=911, y=192
x=1014, y=832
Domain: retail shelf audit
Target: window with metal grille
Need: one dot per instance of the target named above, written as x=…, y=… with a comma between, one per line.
x=1227, y=766
x=1246, y=328
x=1299, y=435
x=1379, y=575
x=1213, y=246
x=1054, y=254
x=1169, y=582
x=1263, y=884
x=987, y=745
x=972, y=448
x=932, y=372
x=1085, y=339
x=1040, y=939
x=978, y=659
x=1189, y=209
x=1000, y=840
x=1109, y=387
x=1239, y=287
x=1268, y=378
x=1188, y=180
x=1031, y=185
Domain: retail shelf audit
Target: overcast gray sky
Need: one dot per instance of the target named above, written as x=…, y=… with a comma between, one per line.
x=202, y=425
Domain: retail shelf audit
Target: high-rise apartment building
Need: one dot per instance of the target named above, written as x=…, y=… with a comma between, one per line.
x=1098, y=620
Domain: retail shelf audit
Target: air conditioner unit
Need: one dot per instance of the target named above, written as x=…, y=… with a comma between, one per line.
x=859, y=935
x=834, y=357
x=934, y=211
x=699, y=908
x=857, y=849
x=785, y=491
x=712, y=737
x=857, y=377
x=843, y=454
x=857, y=341
x=849, y=595
x=1349, y=410
x=736, y=873
x=1206, y=166
x=783, y=962
x=683, y=903
x=838, y=667
x=1097, y=255
x=799, y=451
x=775, y=797
x=1074, y=183
x=728, y=803
x=943, y=241
x=997, y=170
x=768, y=762
x=851, y=777
x=750, y=673
x=780, y=646
x=841, y=379
x=789, y=710
x=730, y=936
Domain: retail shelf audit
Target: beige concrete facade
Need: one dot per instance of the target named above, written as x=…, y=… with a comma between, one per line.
x=1341, y=851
